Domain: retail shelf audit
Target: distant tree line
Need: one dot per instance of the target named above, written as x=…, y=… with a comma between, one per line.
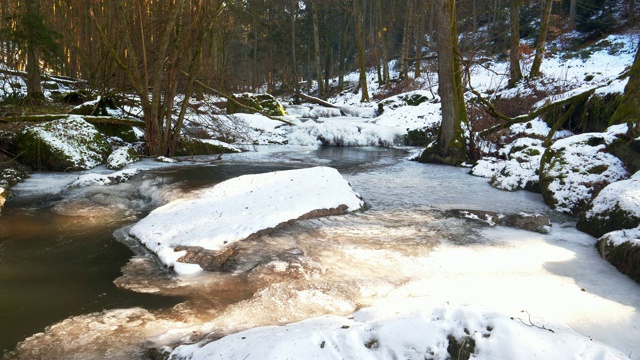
x=278, y=43
x=159, y=49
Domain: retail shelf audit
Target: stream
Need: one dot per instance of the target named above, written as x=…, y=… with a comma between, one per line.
x=74, y=285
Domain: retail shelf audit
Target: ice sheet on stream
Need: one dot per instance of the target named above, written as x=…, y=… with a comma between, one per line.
x=400, y=251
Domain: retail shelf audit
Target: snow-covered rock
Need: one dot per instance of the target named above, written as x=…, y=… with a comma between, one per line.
x=61, y=145
x=397, y=333
x=616, y=207
x=575, y=169
x=196, y=233
x=520, y=171
x=121, y=157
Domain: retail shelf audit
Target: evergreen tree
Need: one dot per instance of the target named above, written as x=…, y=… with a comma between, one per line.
x=37, y=40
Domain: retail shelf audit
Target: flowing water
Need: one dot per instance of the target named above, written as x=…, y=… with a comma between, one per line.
x=63, y=256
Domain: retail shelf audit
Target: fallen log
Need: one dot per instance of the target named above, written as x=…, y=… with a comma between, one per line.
x=89, y=119
x=316, y=101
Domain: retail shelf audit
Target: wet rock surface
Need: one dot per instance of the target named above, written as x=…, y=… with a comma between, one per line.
x=530, y=222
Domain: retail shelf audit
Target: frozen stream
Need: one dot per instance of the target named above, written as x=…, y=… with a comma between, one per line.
x=401, y=250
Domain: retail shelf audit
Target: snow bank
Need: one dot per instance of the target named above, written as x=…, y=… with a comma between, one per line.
x=235, y=209
x=395, y=333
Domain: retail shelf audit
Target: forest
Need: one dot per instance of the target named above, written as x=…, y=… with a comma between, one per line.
x=268, y=179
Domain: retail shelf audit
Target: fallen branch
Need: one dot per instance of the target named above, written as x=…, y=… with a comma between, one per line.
x=230, y=98
x=508, y=121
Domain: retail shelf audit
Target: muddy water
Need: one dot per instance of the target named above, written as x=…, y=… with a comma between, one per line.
x=59, y=257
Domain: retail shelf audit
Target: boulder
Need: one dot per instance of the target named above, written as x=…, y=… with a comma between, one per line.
x=262, y=102
x=616, y=207
x=122, y=157
x=61, y=145
x=575, y=169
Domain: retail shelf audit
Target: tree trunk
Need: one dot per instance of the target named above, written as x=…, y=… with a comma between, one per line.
x=316, y=44
x=451, y=147
x=407, y=33
x=419, y=37
x=34, y=87
x=573, y=6
x=628, y=111
x=515, y=73
x=360, y=44
x=343, y=53
x=294, y=62
x=542, y=39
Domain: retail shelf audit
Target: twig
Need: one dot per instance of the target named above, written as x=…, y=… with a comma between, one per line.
x=531, y=324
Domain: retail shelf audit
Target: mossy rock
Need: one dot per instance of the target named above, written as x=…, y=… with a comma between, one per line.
x=261, y=102
x=192, y=146
x=122, y=157
x=625, y=257
x=62, y=145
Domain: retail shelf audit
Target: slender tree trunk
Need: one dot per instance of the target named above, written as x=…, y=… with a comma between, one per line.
x=343, y=53
x=419, y=37
x=316, y=44
x=294, y=64
x=34, y=87
x=573, y=6
x=407, y=34
x=255, y=83
x=361, y=60
x=515, y=73
x=542, y=39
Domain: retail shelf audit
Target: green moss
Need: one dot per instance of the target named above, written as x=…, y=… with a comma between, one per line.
x=628, y=151
x=415, y=99
x=615, y=219
x=261, y=102
x=625, y=257
x=123, y=132
x=191, y=146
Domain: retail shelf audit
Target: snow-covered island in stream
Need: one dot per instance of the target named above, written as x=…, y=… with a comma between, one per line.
x=204, y=226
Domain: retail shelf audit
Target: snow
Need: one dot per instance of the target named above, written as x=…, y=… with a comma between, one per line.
x=396, y=332
x=94, y=179
x=217, y=216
